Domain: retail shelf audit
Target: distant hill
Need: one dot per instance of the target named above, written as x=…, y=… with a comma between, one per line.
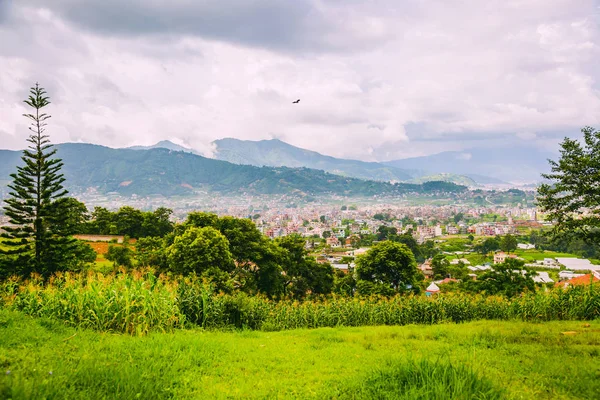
x=166, y=172
x=275, y=153
x=458, y=179
x=165, y=144
x=516, y=165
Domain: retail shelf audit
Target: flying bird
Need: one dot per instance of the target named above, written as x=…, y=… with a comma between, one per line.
x=296, y=102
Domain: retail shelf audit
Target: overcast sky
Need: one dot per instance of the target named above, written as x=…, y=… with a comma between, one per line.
x=378, y=80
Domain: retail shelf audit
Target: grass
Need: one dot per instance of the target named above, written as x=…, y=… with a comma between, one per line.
x=484, y=359
x=536, y=255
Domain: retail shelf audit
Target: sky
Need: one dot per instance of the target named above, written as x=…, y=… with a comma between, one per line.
x=378, y=80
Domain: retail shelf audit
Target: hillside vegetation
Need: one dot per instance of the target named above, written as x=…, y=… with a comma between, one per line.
x=166, y=172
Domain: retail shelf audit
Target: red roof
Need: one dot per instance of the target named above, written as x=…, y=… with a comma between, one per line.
x=447, y=280
x=580, y=280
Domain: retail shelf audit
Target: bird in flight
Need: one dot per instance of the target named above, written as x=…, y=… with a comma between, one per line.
x=296, y=102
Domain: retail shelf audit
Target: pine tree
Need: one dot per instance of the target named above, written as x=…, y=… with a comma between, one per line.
x=38, y=240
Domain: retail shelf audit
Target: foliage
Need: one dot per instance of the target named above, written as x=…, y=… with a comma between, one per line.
x=510, y=279
x=121, y=256
x=129, y=221
x=165, y=172
x=440, y=266
x=508, y=243
x=138, y=302
x=488, y=245
x=388, y=264
x=37, y=207
x=303, y=274
x=572, y=199
x=204, y=251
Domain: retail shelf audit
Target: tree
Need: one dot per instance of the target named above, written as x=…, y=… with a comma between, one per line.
x=129, y=221
x=440, y=266
x=103, y=222
x=302, y=274
x=510, y=278
x=458, y=217
x=572, y=199
x=76, y=214
x=151, y=252
x=326, y=234
x=40, y=238
x=157, y=223
x=508, y=243
x=200, y=250
x=488, y=245
x=388, y=264
x=120, y=256
x=471, y=238
x=344, y=208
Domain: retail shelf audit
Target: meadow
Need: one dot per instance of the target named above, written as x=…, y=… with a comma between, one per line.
x=42, y=358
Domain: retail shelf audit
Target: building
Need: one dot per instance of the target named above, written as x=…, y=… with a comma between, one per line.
x=501, y=257
x=426, y=269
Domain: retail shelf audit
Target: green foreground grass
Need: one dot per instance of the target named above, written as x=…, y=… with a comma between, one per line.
x=484, y=359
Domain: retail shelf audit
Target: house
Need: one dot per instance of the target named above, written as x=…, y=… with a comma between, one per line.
x=542, y=277
x=457, y=261
x=566, y=275
x=501, y=257
x=577, y=264
x=525, y=246
x=445, y=281
x=432, y=289
x=586, y=279
x=426, y=269
x=333, y=241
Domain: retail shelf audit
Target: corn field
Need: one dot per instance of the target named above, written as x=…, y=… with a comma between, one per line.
x=139, y=302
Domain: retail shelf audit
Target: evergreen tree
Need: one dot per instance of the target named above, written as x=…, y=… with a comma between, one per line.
x=38, y=239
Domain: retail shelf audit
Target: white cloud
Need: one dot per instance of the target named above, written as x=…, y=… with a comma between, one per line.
x=460, y=71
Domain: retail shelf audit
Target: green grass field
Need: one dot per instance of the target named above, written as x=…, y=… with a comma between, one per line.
x=41, y=358
x=536, y=255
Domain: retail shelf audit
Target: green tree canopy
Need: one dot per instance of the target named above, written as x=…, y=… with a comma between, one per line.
x=200, y=250
x=508, y=243
x=390, y=264
x=302, y=274
x=510, y=278
x=572, y=198
x=440, y=266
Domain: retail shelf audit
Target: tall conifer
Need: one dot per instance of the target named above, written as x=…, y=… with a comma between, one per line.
x=37, y=239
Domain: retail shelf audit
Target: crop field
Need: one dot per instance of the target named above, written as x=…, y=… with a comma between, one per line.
x=42, y=358
x=536, y=255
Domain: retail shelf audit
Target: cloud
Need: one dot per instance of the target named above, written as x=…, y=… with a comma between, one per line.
x=309, y=25
x=377, y=80
x=464, y=156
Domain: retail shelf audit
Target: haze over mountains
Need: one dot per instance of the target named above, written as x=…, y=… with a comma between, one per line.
x=275, y=153
x=160, y=171
x=514, y=164
x=474, y=166
x=272, y=166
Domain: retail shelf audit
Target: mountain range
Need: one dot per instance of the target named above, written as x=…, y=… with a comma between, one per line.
x=160, y=171
x=275, y=153
x=492, y=165
x=469, y=167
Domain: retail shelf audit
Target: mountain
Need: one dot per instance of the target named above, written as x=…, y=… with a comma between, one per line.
x=165, y=144
x=166, y=172
x=275, y=153
x=515, y=164
x=445, y=177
